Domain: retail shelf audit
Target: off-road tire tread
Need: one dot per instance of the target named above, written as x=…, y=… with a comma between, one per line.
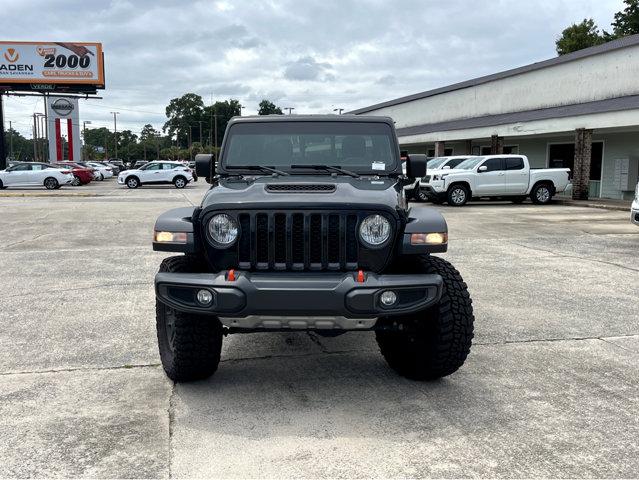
x=442, y=335
x=198, y=338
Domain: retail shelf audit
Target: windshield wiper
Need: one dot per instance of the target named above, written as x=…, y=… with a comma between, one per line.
x=328, y=168
x=261, y=168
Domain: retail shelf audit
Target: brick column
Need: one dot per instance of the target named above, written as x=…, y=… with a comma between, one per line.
x=439, y=149
x=581, y=169
x=496, y=145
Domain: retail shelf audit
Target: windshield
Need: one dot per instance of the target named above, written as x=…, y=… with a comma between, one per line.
x=364, y=147
x=470, y=163
x=436, y=163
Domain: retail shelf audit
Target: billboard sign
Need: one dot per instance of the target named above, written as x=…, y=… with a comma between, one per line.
x=48, y=66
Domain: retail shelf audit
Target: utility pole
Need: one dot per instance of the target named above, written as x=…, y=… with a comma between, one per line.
x=40, y=129
x=338, y=110
x=290, y=109
x=3, y=155
x=35, y=147
x=46, y=128
x=84, y=135
x=115, y=130
x=201, y=142
x=106, y=149
x=190, y=150
x=10, y=142
x=157, y=144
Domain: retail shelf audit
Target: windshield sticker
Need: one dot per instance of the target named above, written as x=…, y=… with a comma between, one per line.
x=379, y=166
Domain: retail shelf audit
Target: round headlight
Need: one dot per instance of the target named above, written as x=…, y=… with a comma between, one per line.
x=223, y=229
x=374, y=230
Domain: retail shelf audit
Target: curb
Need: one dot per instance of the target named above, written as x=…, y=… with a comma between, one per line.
x=47, y=195
x=603, y=206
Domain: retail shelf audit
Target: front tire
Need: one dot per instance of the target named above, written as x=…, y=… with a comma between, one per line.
x=458, y=195
x=76, y=181
x=421, y=195
x=189, y=344
x=435, y=342
x=132, y=182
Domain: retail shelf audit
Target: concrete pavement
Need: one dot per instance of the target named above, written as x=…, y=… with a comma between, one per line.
x=550, y=387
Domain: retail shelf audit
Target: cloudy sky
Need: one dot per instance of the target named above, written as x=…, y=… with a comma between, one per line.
x=311, y=55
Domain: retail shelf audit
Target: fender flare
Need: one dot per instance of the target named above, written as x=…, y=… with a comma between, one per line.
x=423, y=220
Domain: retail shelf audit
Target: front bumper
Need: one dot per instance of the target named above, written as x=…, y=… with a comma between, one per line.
x=298, y=294
x=634, y=213
x=432, y=193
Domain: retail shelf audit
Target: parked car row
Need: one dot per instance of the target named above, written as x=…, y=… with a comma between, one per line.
x=460, y=179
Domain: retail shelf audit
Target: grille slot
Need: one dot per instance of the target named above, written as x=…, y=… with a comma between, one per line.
x=297, y=241
x=300, y=188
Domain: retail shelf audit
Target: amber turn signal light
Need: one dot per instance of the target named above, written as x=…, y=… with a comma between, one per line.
x=428, y=238
x=170, y=237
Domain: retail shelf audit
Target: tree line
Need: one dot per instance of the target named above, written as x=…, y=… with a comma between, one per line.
x=587, y=34
x=191, y=128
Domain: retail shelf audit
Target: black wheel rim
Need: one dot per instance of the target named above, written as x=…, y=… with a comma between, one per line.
x=422, y=196
x=50, y=183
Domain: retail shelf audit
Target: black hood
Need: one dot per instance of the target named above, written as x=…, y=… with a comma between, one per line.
x=304, y=191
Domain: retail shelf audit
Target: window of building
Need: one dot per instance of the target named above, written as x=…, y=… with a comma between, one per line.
x=447, y=152
x=508, y=150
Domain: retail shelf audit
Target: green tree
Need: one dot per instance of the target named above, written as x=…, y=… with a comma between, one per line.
x=627, y=21
x=183, y=113
x=22, y=147
x=579, y=36
x=268, y=108
x=225, y=111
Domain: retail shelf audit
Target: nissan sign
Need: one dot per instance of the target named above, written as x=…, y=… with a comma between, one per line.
x=62, y=107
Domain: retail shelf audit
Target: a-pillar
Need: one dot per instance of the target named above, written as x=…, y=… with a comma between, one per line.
x=583, y=157
x=496, y=145
x=439, y=149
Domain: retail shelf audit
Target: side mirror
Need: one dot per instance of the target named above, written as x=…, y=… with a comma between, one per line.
x=483, y=168
x=416, y=165
x=446, y=167
x=205, y=166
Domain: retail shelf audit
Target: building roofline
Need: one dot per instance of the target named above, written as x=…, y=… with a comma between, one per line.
x=617, y=104
x=624, y=42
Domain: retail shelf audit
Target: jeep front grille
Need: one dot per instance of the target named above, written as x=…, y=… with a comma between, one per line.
x=298, y=241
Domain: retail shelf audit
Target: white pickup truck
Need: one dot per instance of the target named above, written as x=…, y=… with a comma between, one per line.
x=495, y=176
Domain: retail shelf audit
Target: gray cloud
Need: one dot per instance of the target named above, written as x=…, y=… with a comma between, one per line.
x=314, y=56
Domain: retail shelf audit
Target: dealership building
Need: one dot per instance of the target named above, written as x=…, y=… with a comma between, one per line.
x=579, y=110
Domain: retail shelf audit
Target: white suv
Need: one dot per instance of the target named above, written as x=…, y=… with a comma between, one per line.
x=157, y=173
x=634, y=212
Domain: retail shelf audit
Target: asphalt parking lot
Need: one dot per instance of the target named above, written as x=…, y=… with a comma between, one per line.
x=550, y=388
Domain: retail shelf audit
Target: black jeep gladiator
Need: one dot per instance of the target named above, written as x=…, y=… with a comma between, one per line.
x=306, y=227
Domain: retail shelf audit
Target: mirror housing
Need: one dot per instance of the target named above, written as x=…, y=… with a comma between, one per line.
x=205, y=166
x=446, y=167
x=483, y=168
x=416, y=165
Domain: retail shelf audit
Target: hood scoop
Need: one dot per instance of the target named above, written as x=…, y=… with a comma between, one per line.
x=300, y=188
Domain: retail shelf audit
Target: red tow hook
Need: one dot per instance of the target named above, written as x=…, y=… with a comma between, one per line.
x=231, y=275
x=360, y=276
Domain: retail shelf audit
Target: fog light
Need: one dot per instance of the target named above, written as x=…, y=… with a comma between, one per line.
x=388, y=298
x=204, y=297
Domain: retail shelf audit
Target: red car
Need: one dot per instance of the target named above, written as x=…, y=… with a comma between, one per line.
x=81, y=175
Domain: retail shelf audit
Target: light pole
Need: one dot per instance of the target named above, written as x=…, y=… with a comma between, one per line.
x=290, y=109
x=11, y=140
x=41, y=125
x=338, y=110
x=115, y=130
x=157, y=144
x=84, y=136
x=241, y=107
